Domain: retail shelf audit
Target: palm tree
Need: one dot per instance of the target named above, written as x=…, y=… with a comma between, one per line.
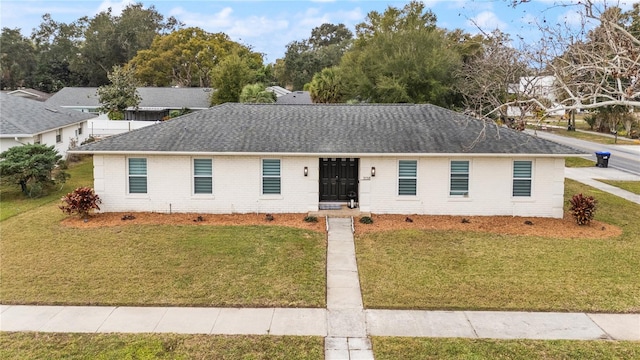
x=256, y=93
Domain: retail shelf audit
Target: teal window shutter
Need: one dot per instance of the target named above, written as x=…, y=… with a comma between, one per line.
x=459, y=185
x=202, y=176
x=137, y=175
x=271, y=176
x=522, y=178
x=407, y=177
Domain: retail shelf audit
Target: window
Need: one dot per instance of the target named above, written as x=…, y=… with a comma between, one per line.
x=137, y=176
x=407, y=177
x=37, y=139
x=202, y=176
x=522, y=178
x=270, y=176
x=80, y=129
x=459, y=184
x=59, y=135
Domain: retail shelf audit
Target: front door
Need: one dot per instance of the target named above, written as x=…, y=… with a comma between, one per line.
x=338, y=179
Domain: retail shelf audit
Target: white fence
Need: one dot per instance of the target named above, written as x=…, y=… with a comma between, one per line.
x=104, y=127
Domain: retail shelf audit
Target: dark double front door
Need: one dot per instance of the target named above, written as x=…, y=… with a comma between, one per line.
x=338, y=179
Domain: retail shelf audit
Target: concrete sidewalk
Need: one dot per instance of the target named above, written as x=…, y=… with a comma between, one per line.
x=589, y=176
x=319, y=322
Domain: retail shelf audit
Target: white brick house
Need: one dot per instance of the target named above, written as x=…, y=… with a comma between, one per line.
x=404, y=159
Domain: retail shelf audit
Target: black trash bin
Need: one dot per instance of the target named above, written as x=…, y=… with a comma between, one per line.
x=603, y=158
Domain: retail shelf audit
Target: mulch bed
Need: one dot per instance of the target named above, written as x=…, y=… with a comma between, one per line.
x=562, y=228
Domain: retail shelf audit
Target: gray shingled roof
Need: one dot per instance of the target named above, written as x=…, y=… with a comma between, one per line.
x=20, y=116
x=152, y=97
x=326, y=129
x=295, y=98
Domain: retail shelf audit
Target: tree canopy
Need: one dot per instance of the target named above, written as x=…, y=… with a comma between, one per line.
x=257, y=93
x=304, y=58
x=30, y=166
x=400, y=56
x=120, y=94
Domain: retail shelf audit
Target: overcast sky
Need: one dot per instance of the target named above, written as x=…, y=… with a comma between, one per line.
x=268, y=26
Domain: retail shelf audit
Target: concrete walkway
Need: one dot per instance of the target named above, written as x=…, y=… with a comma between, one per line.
x=340, y=337
x=589, y=176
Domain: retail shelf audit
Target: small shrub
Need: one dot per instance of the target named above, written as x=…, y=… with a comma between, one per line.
x=583, y=208
x=80, y=201
x=311, y=219
x=366, y=220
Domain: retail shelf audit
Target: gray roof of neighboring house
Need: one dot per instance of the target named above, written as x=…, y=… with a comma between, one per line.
x=20, y=117
x=295, y=98
x=29, y=93
x=152, y=97
x=278, y=90
x=327, y=129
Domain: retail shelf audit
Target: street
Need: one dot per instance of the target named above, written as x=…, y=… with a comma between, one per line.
x=623, y=157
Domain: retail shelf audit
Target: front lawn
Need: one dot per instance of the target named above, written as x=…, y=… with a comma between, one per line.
x=45, y=262
x=13, y=201
x=594, y=137
x=427, y=348
x=32, y=345
x=632, y=186
x=573, y=162
x=431, y=269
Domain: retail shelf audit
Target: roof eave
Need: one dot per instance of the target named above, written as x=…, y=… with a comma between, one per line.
x=323, y=154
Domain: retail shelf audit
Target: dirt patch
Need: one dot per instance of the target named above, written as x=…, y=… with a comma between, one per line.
x=563, y=228
x=146, y=218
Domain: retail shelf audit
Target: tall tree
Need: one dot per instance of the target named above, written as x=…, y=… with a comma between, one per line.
x=324, y=48
x=598, y=64
x=120, y=94
x=57, y=45
x=114, y=40
x=17, y=59
x=491, y=78
x=400, y=55
x=187, y=57
x=230, y=77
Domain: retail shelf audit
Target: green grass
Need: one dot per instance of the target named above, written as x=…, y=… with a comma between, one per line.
x=574, y=162
x=414, y=269
x=45, y=262
x=428, y=348
x=632, y=186
x=593, y=137
x=14, y=202
x=158, y=346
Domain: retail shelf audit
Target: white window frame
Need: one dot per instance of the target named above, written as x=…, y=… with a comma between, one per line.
x=514, y=178
x=58, y=136
x=194, y=176
x=415, y=178
x=146, y=176
x=467, y=194
x=263, y=177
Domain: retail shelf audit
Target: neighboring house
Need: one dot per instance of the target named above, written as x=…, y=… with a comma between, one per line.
x=24, y=121
x=295, y=98
x=269, y=158
x=278, y=90
x=155, y=105
x=540, y=87
x=28, y=93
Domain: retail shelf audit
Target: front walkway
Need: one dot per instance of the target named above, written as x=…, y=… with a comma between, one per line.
x=345, y=324
x=590, y=175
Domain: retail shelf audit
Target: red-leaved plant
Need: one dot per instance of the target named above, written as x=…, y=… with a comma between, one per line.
x=80, y=201
x=583, y=208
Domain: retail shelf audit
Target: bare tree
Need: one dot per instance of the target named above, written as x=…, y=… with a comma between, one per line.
x=597, y=64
